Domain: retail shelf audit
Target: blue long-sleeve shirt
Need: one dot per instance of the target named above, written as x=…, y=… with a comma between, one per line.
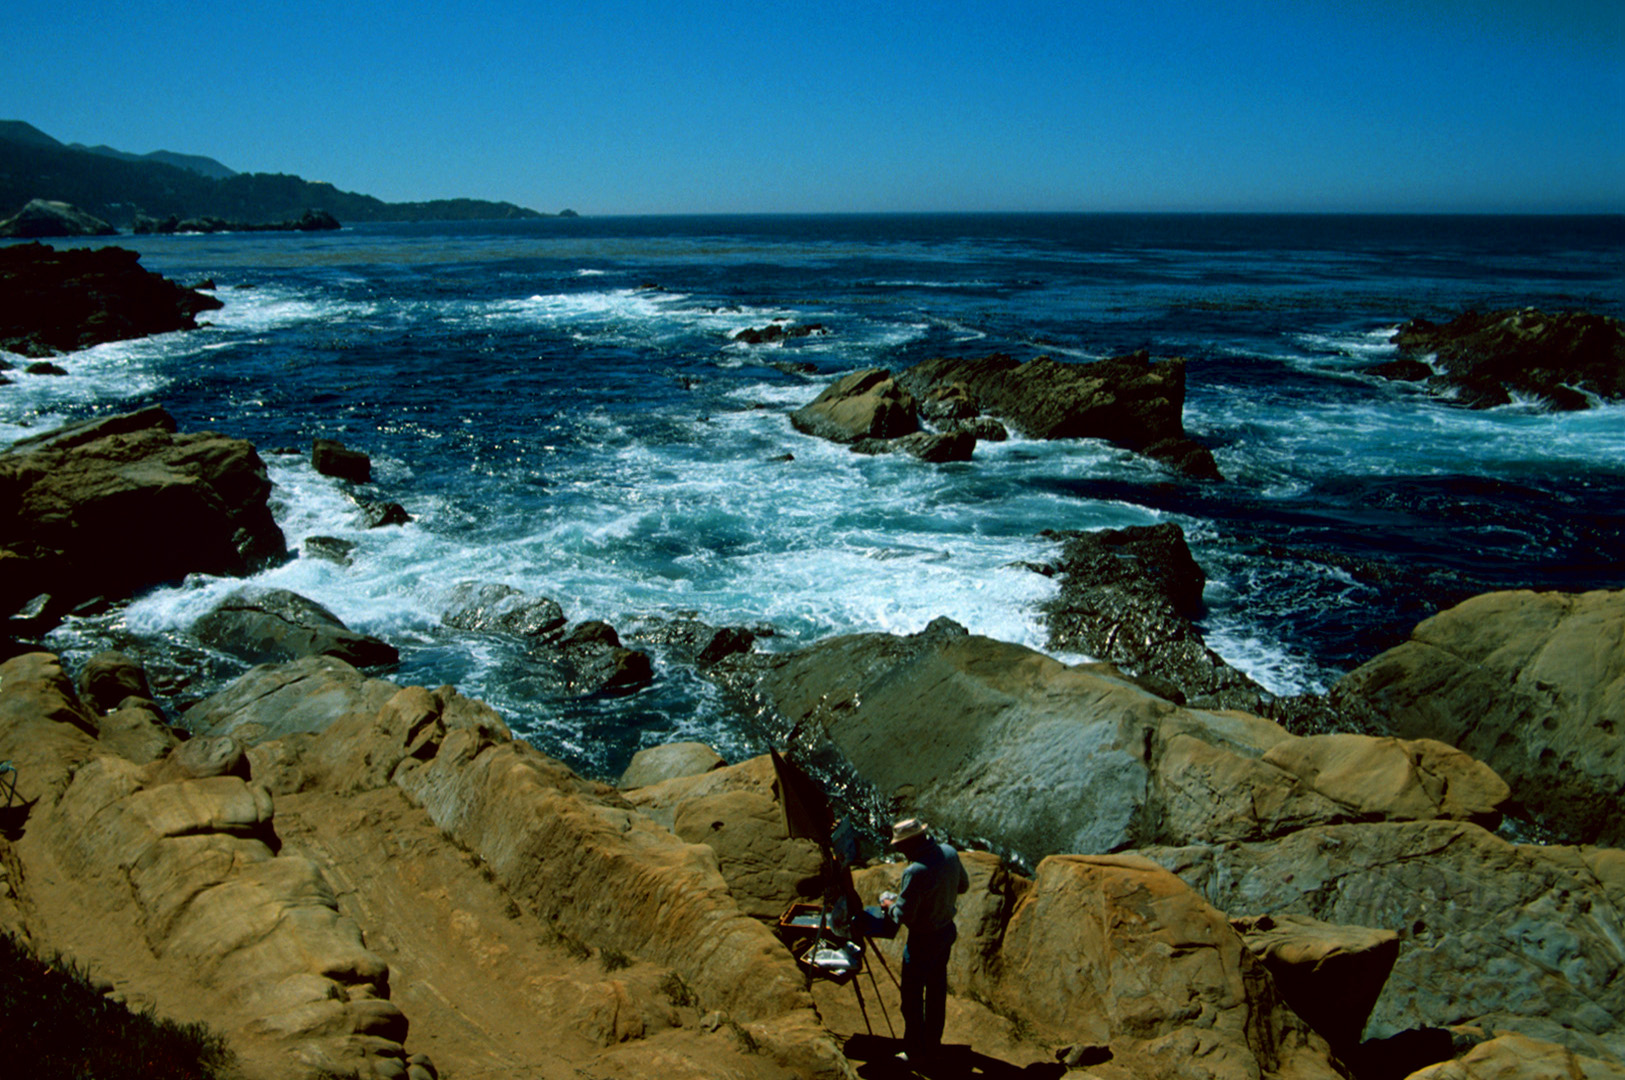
x=929, y=895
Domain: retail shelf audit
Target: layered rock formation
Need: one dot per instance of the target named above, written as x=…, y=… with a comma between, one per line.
x=1129, y=401
x=269, y=625
x=56, y=301
x=77, y=508
x=866, y=404
x=1484, y=358
x=1532, y=684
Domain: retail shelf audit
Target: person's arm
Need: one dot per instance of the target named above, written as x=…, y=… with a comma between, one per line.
x=964, y=878
x=905, y=893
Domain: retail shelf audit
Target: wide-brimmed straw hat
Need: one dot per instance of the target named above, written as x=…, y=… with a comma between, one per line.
x=907, y=829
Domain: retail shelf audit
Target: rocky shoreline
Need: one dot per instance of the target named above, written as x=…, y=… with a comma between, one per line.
x=1173, y=873
x=1150, y=785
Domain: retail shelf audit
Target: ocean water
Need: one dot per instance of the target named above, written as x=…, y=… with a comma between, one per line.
x=562, y=407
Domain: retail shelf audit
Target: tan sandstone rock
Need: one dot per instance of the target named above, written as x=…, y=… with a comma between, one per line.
x=669, y=761
x=1518, y=1057
x=995, y=740
x=1509, y=937
x=1532, y=684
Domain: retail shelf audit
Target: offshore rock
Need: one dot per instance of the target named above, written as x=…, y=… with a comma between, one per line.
x=996, y=741
x=867, y=404
x=1535, y=929
x=332, y=458
x=44, y=218
x=1129, y=401
x=1532, y=684
x=1128, y=596
x=57, y=301
x=271, y=625
x=79, y=507
x=1557, y=357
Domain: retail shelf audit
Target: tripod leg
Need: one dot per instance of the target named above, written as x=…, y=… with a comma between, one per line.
x=882, y=958
x=878, y=998
x=862, y=1008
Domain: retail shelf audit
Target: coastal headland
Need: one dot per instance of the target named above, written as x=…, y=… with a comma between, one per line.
x=1174, y=874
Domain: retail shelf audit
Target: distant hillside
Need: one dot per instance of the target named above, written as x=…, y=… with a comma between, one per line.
x=118, y=187
x=203, y=166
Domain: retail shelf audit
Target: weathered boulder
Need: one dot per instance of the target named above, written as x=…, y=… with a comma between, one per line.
x=332, y=458
x=1533, y=684
x=57, y=301
x=80, y=507
x=1114, y=951
x=108, y=678
x=1503, y=936
x=274, y=700
x=1128, y=596
x=1558, y=357
x=735, y=811
x=669, y=761
x=265, y=626
x=997, y=741
x=1518, y=1057
x=1129, y=401
x=867, y=404
x=44, y=218
x=1330, y=975
x=590, y=659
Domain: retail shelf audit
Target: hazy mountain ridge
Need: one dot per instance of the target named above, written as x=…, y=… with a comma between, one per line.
x=119, y=187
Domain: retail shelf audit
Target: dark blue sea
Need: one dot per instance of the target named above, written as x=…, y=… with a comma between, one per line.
x=562, y=407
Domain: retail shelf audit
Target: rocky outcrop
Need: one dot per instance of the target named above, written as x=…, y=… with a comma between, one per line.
x=933, y=446
x=57, y=301
x=1113, y=960
x=275, y=700
x=309, y=221
x=1128, y=596
x=997, y=741
x=1558, y=358
x=1518, y=1057
x=1507, y=937
x=776, y=332
x=330, y=457
x=239, y=889
x=43, y=218
x=81, y=507
x=266, y=626
x=1330, y=975
x=867, y=404
x=587, y=658
x=669, y=761
x=1129, y=401
x=1532, y=684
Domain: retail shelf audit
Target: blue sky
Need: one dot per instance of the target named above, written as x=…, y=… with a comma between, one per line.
x=762, y=106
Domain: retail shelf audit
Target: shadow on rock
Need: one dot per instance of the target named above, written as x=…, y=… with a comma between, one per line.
x=952, y=1062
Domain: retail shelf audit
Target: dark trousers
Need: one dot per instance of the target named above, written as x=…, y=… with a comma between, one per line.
x=925, y=987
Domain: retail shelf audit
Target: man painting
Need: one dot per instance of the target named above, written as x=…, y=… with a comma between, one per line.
x=925, y=904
